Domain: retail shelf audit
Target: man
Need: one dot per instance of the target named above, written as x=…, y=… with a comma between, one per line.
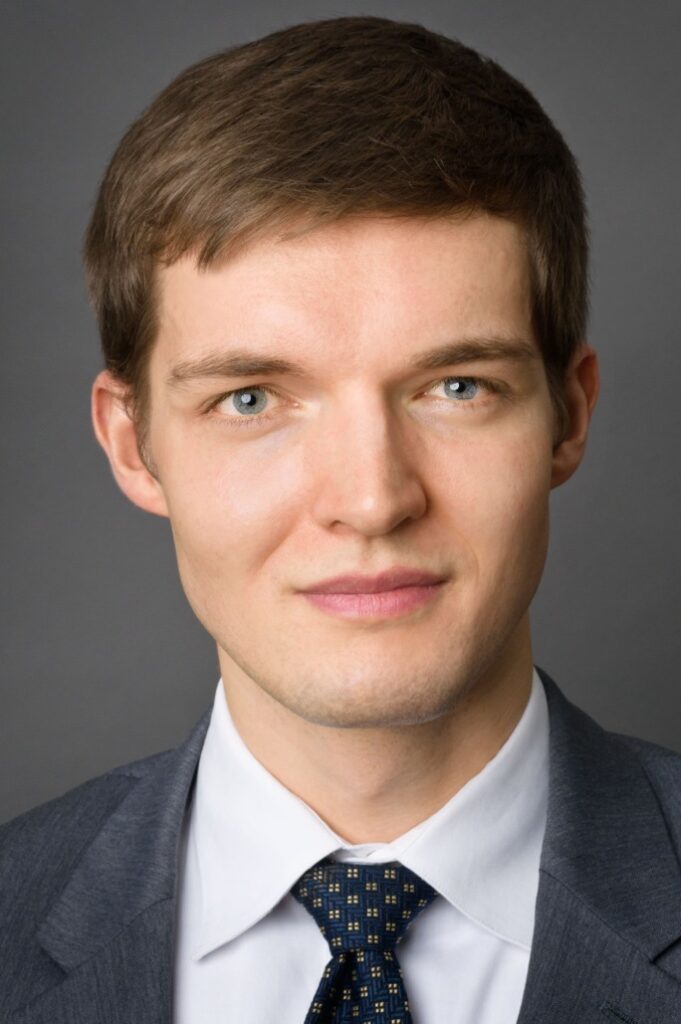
x=340, y=275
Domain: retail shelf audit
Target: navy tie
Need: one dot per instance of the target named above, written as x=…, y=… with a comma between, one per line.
x=362, y=910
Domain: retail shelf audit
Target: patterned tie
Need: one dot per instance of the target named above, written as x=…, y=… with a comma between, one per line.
x=362, y=910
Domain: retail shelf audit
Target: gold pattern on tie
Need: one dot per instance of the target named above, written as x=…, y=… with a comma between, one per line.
x=363, y=911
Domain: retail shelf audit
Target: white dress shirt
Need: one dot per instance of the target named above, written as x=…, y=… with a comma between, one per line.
x=246, y=951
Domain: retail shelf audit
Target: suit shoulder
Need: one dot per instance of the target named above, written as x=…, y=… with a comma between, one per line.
x=39, y=850
x=44, y=842
x=649, y=752
x=662, y=766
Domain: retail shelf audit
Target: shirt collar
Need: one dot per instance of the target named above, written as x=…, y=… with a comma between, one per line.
x=481, y=850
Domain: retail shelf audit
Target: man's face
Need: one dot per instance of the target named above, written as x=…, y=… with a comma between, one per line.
x=362, y=462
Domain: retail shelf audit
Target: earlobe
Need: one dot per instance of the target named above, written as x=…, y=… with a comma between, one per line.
x=115, y=430
x=582, y=385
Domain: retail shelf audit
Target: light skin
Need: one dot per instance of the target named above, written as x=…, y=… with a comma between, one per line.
x=363, y=462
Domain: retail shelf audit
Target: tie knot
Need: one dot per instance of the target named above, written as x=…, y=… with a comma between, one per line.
x=362, y=906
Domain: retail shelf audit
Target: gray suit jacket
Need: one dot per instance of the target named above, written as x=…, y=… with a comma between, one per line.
x=88, y=888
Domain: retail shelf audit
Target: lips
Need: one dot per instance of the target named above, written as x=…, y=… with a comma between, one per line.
x=390, y=579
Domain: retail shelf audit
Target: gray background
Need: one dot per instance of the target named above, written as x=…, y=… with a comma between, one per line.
x=102, y=658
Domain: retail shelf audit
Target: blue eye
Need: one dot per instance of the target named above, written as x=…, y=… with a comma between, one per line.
x=246, y=400
x=462, y=387
x=250, y=402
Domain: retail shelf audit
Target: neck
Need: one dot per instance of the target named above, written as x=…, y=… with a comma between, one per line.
x=371, y=785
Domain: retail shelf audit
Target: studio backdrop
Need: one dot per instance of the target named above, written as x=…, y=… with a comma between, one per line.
x=102, y=658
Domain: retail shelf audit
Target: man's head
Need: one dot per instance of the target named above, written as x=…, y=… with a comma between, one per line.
x=350, y=198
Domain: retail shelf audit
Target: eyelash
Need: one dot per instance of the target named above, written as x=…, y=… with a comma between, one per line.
x=246, y=421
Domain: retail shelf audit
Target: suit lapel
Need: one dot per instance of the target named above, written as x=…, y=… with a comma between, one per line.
x=128, y=980
x=608, y=905
x=112, y=928
x=609, y=899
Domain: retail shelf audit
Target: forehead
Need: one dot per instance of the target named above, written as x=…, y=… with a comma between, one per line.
x=361, y=285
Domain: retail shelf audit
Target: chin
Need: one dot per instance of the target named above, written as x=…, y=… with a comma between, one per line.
x=374, y=704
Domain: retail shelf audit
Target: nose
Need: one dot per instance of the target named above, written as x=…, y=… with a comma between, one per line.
x=367, y=475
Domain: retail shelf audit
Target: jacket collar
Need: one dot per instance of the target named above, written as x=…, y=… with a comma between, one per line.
x=132, y=863
x=601, y=807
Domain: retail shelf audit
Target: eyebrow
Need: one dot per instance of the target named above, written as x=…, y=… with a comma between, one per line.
x=244, y=363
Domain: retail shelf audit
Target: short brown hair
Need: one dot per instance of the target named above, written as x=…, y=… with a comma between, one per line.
x=350, y=115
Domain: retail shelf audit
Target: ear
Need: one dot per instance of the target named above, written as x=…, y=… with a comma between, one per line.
x=582, y=384
x=115, y=431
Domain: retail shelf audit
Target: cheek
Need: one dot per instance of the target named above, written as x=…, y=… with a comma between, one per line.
x=228, y=507
x=497, y=500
